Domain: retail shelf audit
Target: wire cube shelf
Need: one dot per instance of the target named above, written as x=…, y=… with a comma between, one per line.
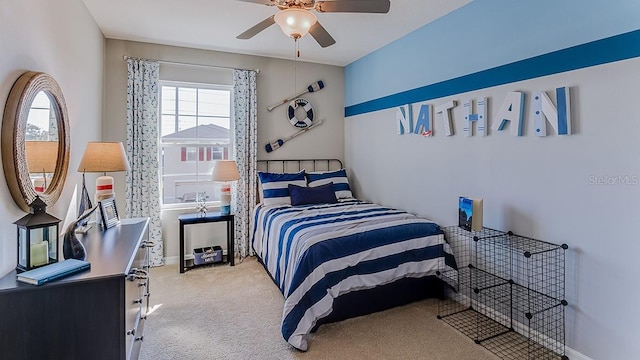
x=508, y=293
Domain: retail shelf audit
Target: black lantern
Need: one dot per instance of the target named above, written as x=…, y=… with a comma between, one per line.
x=37, y=237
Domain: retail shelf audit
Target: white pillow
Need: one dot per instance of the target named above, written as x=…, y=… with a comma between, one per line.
x=338, y=178
x=275, y=186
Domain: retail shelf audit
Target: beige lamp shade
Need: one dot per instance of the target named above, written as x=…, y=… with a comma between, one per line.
x=42, y=156
x=225, y=170
x=104, y=157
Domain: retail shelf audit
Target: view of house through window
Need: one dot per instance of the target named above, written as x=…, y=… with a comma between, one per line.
x=195, y=131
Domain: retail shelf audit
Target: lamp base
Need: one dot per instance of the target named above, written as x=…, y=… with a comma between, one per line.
x=40, y=185
x=225, y=199
x=104, y=187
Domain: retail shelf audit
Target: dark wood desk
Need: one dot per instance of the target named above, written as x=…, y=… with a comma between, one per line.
x=97, y=314
x=209, y=217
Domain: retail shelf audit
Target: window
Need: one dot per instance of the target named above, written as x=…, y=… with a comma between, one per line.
x=42, y=124
x=195, y=131
x=219, y=153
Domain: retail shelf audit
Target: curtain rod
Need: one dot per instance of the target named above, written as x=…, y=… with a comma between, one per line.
x=126, y=57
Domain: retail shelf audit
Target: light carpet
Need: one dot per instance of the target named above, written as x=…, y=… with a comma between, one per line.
x=223, y=312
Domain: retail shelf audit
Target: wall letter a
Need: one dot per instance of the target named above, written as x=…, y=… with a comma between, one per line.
x=511, y=111
x=424, y=122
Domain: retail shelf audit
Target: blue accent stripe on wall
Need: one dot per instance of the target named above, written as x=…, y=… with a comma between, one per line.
x=611, y=49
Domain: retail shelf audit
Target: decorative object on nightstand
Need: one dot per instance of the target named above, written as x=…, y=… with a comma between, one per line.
x=42, y=157
x=37, y=237
x=201, y=201
x=104, y=157
x=225, y=171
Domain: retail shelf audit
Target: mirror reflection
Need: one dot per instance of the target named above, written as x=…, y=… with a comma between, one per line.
x=41, y=141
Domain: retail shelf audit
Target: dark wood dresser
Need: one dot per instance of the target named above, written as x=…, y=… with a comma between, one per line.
x=96, y=314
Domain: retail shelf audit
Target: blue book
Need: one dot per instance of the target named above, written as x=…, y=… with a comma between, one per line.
x=470, y=213
x=53, y=271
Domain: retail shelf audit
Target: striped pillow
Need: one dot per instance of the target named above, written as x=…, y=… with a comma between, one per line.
x=275, y=187
x=338, y=178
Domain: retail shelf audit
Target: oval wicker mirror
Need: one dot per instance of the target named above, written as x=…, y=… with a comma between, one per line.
x=18, y=125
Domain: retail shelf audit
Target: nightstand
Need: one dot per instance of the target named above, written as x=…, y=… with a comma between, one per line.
x=209, y=217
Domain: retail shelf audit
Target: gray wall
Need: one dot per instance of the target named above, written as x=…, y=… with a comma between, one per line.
x=275, y=82
x=62, y=39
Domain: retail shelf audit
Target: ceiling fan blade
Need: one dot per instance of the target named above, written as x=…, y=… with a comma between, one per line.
x=321, y=35
x=356, y=6
x=257, y=28
x=263, y=2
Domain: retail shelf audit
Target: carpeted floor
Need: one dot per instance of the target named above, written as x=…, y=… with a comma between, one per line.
x=225, y=312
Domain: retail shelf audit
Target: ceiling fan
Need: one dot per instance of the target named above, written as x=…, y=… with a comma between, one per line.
x=296, y=19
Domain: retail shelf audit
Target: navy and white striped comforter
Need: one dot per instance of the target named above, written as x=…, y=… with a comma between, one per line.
x=316, y=253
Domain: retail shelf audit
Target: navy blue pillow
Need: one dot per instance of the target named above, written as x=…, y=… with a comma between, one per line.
x=302, y=195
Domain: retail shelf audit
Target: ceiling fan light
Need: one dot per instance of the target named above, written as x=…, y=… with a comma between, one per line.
x=295, y=23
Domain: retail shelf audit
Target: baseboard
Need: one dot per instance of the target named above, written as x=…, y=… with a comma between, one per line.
x=575, y=355
x=171, y=260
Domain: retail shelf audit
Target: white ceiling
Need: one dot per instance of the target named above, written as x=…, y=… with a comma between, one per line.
x=214, y=25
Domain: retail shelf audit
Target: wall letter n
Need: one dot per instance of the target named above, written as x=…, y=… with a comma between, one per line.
x=560, y=117
x=404, y=119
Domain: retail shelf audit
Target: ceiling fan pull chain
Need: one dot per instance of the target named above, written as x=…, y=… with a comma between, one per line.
x=295, y=63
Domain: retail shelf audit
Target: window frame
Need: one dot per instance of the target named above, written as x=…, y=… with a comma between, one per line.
x=193, y=85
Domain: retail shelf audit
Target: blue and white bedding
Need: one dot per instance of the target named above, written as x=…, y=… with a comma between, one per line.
x=315, y=253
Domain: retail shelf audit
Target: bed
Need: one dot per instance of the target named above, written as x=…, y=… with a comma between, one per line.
x=340, y=258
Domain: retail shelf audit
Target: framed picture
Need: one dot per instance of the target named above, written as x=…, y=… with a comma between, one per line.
x=109, y=213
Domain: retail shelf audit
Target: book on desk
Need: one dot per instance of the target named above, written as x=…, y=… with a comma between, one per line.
x=53, y=271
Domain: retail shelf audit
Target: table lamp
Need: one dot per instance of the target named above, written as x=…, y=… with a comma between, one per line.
x=104, y=157
x=42, y=157
x=225, y=171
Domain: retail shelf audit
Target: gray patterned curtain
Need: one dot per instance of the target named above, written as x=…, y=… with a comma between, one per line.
x=143, y=189
x=245, y=151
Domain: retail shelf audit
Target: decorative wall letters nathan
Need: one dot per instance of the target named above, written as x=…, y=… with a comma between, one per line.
x=510, y=114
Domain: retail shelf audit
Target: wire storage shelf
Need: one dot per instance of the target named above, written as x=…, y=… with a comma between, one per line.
x=508, y=293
